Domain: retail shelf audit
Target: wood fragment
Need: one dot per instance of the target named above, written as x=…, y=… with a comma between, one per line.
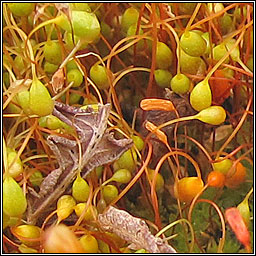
x=133, y=230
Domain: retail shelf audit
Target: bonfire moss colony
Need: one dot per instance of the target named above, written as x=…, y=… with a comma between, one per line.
x=139, y=106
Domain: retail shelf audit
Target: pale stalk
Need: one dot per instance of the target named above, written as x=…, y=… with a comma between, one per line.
x=30, y=49
x=23, y=146
x=11, y=133
x=62, y=92
x=5, y=158
x=128, y=71
x=239, y=61
x=178, y=45
x=8, y=23
x=136, y=177
x=248, y=194
x=175, y=223
x=193, y=17
x=96, y=89
x=72, y=53
x=116, y=51
x=222, y=239
x=236, y=129
x=34, y=157
x=228, y=53
x=181, y=119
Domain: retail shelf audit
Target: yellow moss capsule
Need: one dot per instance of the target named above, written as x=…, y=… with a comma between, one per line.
x=80, y=189
x=14, y=200
x=89, y=243
x=89, y=214
x=65, y=206
x=40, y=101
x=214, y=115
x=25, y=232
x=201, y=96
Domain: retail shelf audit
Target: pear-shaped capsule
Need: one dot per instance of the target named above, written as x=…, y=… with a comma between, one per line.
x=14, y=200
x=40, y=101
x=80, y=189
x=201, y=96
x=65, y=206
x=214, y=115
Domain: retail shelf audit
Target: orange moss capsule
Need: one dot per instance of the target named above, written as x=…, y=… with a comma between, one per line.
x=234, y=179
x=216, y=179
x=160, y=134
x=187, y=188
x=157, y=104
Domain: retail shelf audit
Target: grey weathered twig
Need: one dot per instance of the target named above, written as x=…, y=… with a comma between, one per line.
x=133, y=230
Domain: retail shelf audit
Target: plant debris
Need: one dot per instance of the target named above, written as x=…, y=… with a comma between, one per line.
x=98, y=147
x=133, y=230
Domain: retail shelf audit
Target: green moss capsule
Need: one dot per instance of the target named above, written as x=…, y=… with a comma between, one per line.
x=193, y=44
x=17, y=167
x=23, y=100
x=21, y=9
x=180, y=83
x=138, y=141
x=85, y=25
x=70, y=44
x=90, y=213
x=131, y=32
x=163, y=77
x=122, y=176
x=191, y=65
x=159, y=179
x=99, y=76
x=214, y=115
x=75, y=76
x=127, y=160
x=40, y=101
x=52, y=52
x=89, y=243
x=6, y=79
x=106, y=31
x=19, y=63
x=223, y=166
x=129, y=18
x=84, y=7
x=14, y=200
x=50, y=67
x=36, y=178
x=219, y=51
x=109, y=192
x=164, y=56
